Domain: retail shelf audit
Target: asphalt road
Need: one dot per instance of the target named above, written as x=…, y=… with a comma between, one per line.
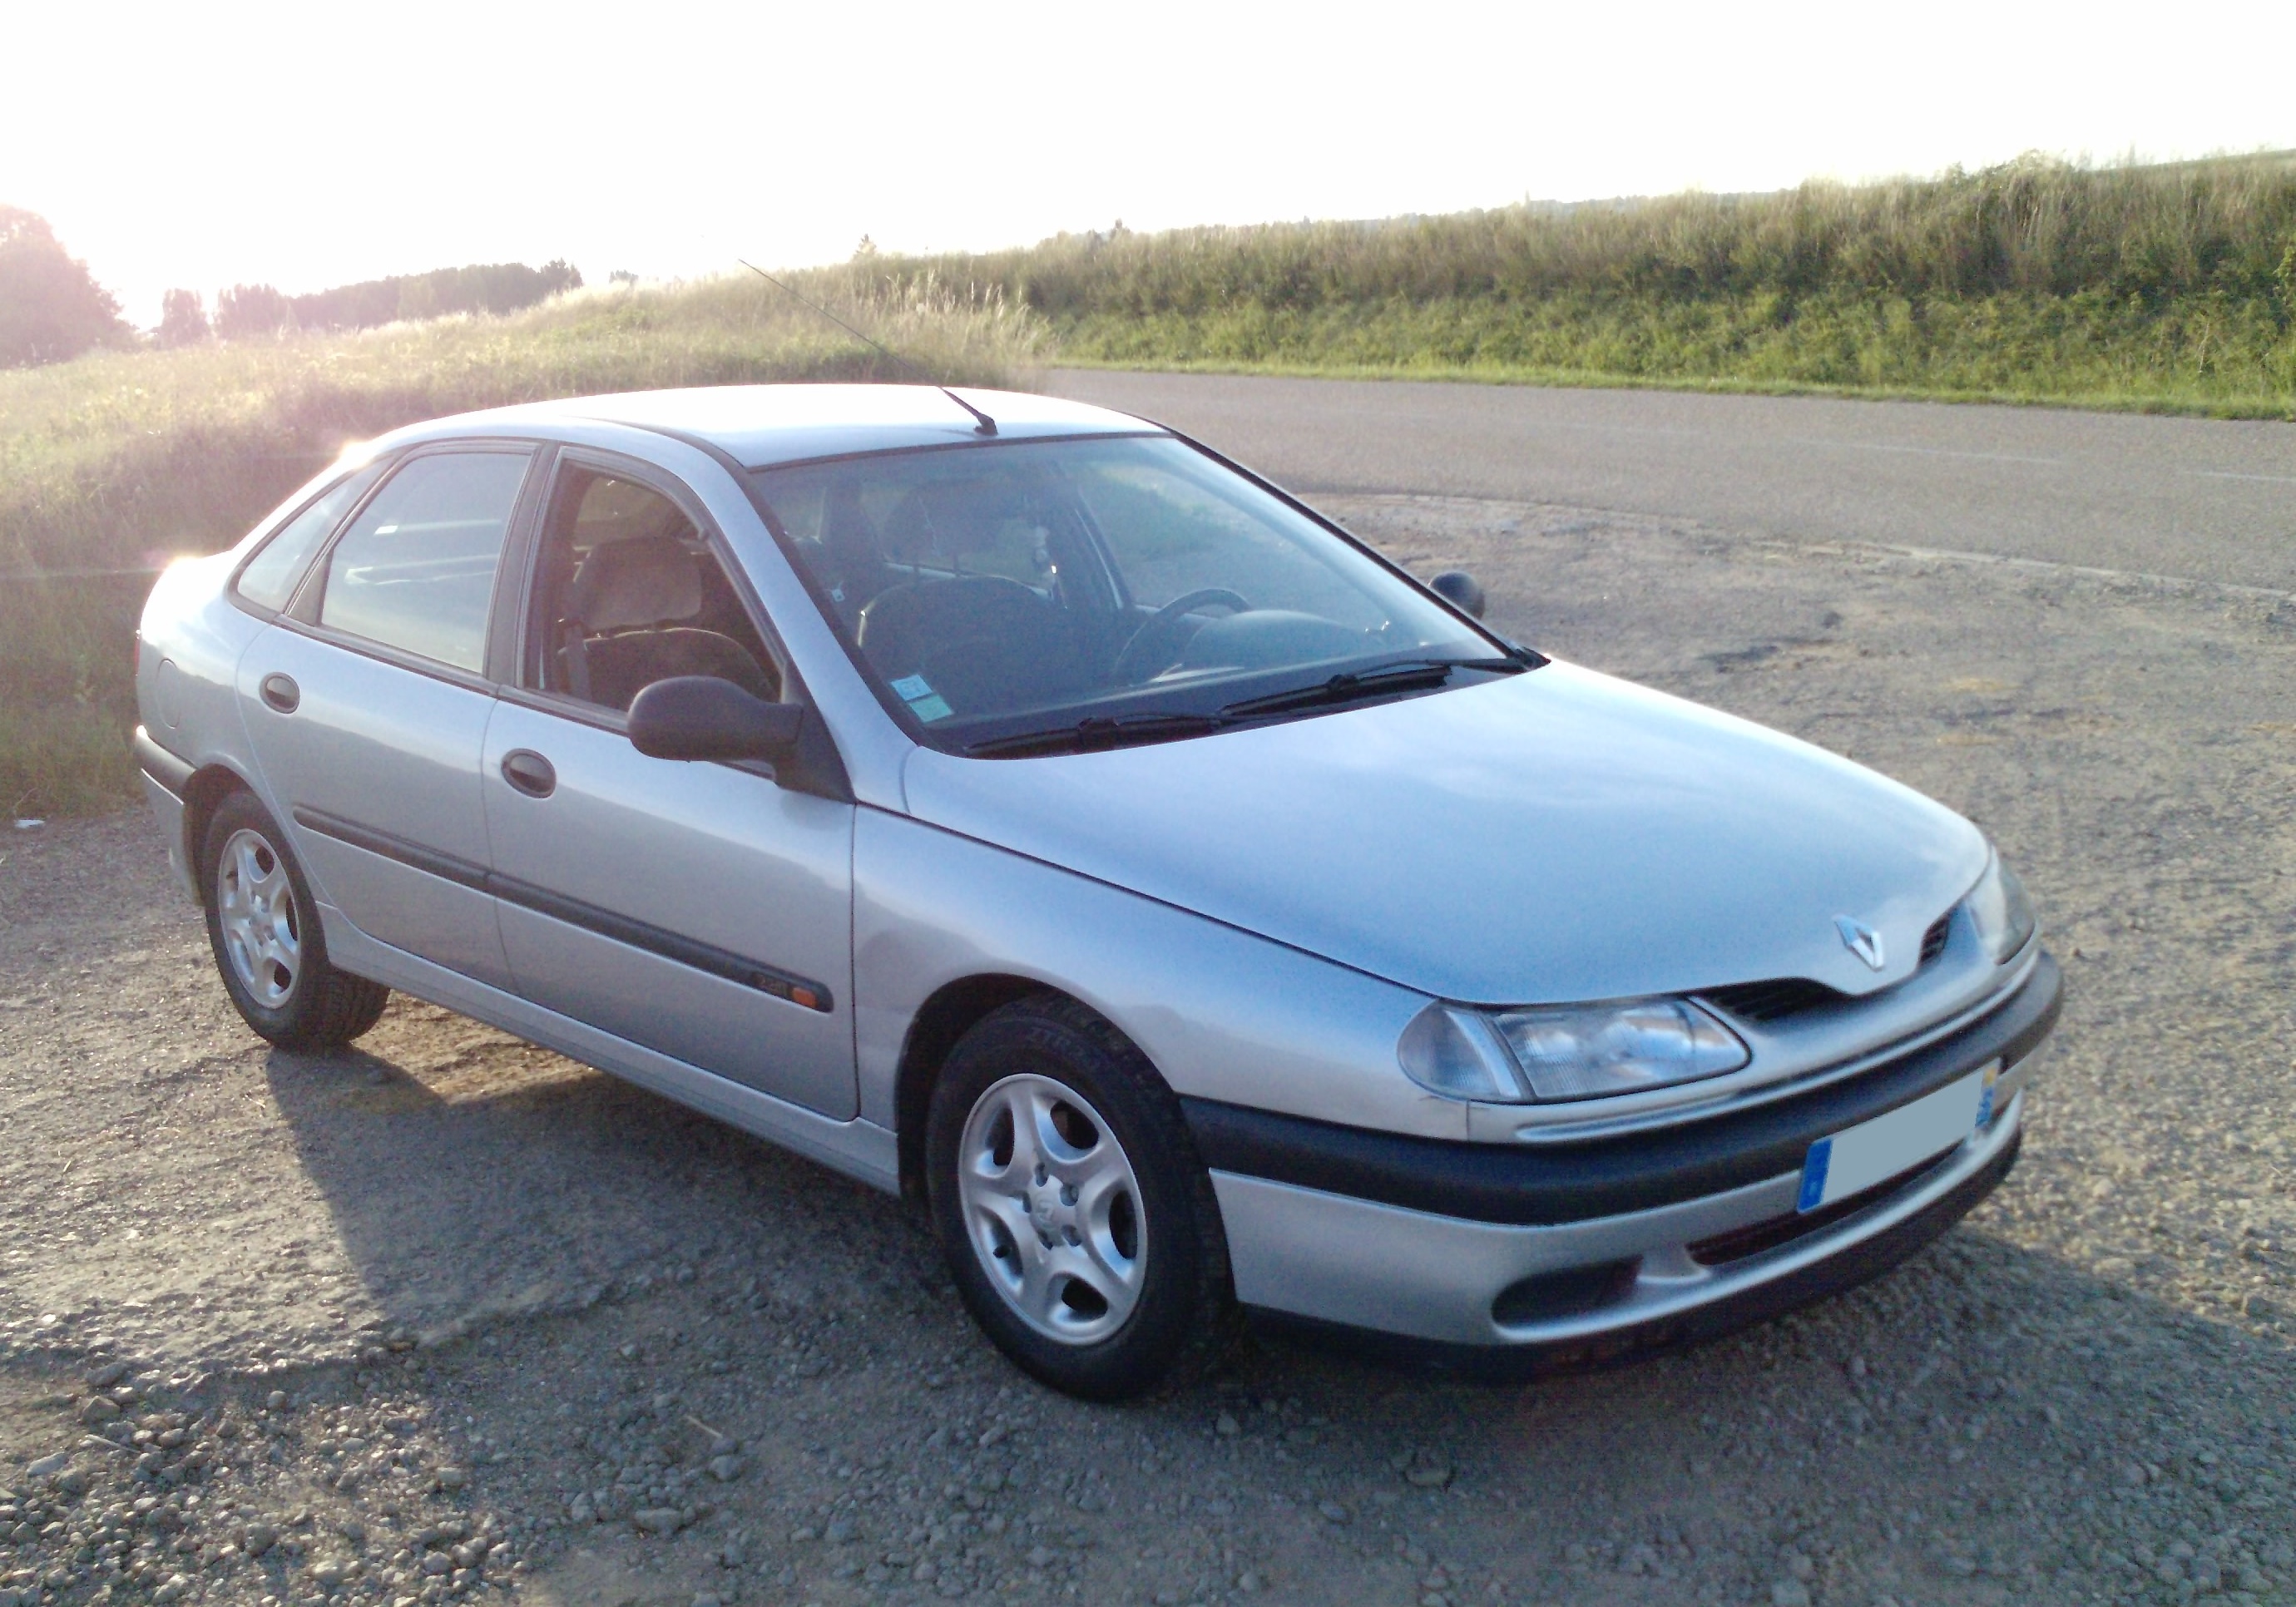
x=2199, y=499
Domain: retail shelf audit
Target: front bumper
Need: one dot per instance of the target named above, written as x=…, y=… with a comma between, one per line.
x=1605, y=1248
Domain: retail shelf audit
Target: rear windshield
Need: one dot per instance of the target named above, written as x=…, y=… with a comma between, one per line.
x=994, y=590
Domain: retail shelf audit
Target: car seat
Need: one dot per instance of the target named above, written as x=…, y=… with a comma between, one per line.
x=627, y=604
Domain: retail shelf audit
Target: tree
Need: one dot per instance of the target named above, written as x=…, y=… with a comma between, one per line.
x=489, y=287
x=183, y=319
x=246, y=310
x=51, y=307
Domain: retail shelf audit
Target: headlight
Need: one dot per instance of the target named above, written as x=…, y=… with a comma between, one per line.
x=1570, y=1052
x=2002, y=912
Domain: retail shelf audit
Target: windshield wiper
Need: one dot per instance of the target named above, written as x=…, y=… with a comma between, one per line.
x=1097, y=734
x=1412, y=674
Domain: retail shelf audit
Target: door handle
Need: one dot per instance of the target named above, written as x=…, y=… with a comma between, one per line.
x=529, y=773
x=281, y=692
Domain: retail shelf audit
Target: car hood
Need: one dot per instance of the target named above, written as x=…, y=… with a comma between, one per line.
x=1555, y=835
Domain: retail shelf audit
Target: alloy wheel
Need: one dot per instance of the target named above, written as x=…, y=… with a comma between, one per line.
x=1052, y=1209
x=262, y=929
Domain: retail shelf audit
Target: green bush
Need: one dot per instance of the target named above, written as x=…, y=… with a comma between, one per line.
x=2166, y=287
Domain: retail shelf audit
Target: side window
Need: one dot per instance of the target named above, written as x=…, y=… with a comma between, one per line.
x=269, y=577
x=416, y=568
x=630, y=595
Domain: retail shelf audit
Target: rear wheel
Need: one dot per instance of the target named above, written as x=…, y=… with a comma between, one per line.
x=1077, y=1220
x=264, y=929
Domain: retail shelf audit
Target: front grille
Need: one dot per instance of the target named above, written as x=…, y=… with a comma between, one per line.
x=1933, y=940
x=1774, y=1000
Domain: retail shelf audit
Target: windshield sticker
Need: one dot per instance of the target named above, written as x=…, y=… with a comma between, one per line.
x=924, y=702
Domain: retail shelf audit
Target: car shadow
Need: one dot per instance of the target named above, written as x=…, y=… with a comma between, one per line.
x=469, y=1175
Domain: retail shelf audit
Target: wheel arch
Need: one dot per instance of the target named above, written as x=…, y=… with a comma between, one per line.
x=952, y=1010
x=203, y=794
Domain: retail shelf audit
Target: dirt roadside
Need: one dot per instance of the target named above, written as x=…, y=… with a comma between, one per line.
x=449, y=1316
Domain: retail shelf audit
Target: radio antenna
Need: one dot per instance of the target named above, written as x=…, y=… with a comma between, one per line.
x=984, y=424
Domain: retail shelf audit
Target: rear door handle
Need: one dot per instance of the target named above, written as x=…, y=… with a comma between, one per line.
x=529, y=773
x=281, y=692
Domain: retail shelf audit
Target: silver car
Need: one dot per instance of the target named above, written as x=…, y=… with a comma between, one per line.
x=1018, y=807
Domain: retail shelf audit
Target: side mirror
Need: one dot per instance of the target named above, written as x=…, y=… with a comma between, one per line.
x=1461, y=590
x=705, y=717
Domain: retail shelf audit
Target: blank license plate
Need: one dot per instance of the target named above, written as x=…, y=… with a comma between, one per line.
x=1855, y=1158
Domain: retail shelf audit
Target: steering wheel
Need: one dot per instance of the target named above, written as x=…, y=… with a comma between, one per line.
x=1135, y=664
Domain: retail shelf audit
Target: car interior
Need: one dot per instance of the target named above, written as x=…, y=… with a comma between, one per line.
x=985, y=586
x=934, y=593
x=631, y=594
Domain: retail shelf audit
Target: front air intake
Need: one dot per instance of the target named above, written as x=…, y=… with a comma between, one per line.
x=1933, y=940
x=1774, y=1000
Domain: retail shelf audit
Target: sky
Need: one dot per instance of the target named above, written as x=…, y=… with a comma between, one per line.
x=313, y=144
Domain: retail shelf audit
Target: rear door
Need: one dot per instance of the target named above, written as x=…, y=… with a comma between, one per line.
x=700, y=910
x=367, y=701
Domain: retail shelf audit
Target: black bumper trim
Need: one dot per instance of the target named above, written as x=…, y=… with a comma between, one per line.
x=1556, y=1183
x=1837, y=1274
x=162, y=765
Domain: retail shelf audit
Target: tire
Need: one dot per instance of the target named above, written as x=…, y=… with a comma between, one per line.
x=1090, y=1250
x=264, y=928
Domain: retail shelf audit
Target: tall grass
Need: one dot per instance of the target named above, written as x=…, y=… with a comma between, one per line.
x=2170, y=287
x=113, y=463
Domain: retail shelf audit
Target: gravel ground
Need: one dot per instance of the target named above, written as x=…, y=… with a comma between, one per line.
x=450, y=1316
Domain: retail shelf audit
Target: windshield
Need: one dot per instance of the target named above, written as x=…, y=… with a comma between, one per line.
x=1118, y=584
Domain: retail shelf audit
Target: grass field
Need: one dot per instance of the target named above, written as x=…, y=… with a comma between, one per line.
x=112, y=463
x=2165, y=288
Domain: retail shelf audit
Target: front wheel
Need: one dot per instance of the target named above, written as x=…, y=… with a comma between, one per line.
x=1078, y=1224
x=262, y=925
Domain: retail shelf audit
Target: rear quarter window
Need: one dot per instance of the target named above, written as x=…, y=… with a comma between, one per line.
x=269, y=578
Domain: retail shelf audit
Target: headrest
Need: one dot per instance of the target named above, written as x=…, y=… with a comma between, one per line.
x=847, y=539
x=953, y=518
x=644, y=581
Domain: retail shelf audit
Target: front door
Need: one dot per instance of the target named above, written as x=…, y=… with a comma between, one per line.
x=367, y=704
x=700, y=910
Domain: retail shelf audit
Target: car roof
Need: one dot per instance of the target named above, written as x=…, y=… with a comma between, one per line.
x=762, y=426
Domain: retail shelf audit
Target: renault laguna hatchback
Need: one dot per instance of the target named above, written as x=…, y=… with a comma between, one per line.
x=1019, y=807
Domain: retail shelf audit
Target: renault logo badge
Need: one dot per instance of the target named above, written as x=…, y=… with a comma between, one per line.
x=1861, y=940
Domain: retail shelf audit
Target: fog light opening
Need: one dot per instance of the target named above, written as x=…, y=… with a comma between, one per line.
x=1566, y=1293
